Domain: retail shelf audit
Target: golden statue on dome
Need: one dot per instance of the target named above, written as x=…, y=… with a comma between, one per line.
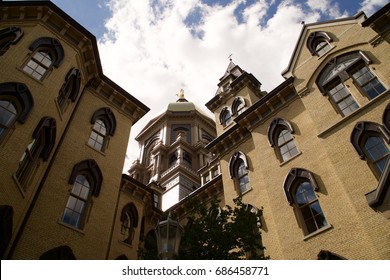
x=180, y=94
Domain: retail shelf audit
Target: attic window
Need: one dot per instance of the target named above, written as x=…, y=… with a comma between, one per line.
x=226, y=87
x=318, y=43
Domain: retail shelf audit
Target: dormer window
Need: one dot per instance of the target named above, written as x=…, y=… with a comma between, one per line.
x=318, y=43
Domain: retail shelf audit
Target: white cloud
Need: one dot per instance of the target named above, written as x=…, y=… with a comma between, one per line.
x=371, y=6
x=327, y=7
x=150, y=52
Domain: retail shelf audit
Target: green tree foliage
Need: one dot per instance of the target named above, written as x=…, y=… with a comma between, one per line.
x=229, y=233
x=214, y=233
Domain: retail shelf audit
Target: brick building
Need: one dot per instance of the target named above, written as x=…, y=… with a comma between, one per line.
x=312, y=153
x=64, y=129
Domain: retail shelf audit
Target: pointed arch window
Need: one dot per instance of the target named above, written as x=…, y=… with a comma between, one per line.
x=9, y=36
x=371, y=141
x=225, y=117
x=69, y=90
x=280, y=137
x=129, y=222
x=300, y=186
x=46, y=54
x=59, y=253
x=38, y=150
x=318, y=43
x=238, y=169
x=350, y=66
x=86, y=179
x=104, y=124
x=16, y=103
x=8, y=115
x=238, y=105
x=149, y=146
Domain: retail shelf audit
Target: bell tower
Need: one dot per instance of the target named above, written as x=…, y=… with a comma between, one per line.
x=172, y=151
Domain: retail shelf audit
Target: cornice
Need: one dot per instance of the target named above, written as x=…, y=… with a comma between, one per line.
x=67, y=29
x=244, y=80
x=255, y=115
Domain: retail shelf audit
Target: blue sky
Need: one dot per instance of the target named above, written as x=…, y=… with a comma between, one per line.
x=93, y=14
x=153, y=48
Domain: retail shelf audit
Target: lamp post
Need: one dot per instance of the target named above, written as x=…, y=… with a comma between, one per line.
x=168, y=233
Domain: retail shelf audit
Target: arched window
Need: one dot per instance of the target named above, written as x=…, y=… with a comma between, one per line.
x=238, y=169
x=69, y=90
x=371, y=141
x=331, y=81
x=16, y=103
x=8, y=115
x=86, y=179
x=225, y=117
x=318, y=43
x=280, y=137
x=328, y=255
x=300, y=187
x=39, y=149
x=9, y=36
x=129, y=222
x=149, y=146
x=238, y=105
x=78, y=200
x=46, y=54
x=58, y=253
x=104, y=124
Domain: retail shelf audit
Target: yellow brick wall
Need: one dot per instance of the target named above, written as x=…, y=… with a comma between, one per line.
x=44, y=230
x=44, y=94
x=357, y=231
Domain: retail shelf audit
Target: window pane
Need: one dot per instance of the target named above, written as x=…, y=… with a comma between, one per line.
x=100, y=127
x=283, y=149
x=284, y=136
x=241, y=169
x=7, y=113
x=310, y=225
x=322, y=47
x=348, y=105
x=71, y=202
x=43, y=57
x=84, y=192
x=374, y=88
x=79, y=207
x=381, y=164
x=363, y=76
x=81, y=187
x=305, y=193
x=376, y=148
x=76, y=188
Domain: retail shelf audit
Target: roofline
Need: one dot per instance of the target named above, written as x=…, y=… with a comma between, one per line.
x=89, y=35
x=142, y=186
x=248, y=111
x=306, y=26
x=264, y=99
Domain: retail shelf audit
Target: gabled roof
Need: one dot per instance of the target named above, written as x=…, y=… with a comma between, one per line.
x=306, y=29
x=228, y=70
